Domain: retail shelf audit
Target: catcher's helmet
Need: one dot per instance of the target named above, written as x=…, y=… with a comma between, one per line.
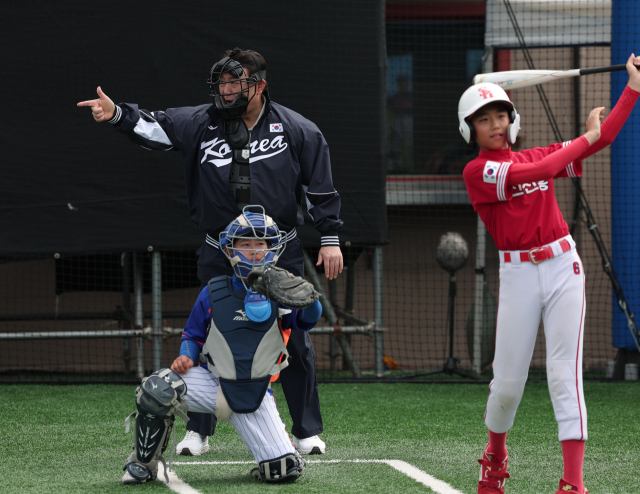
x=252, y=225
x=238, y=107
x=481, y=95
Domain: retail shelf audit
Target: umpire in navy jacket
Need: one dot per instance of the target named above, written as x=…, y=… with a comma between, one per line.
x=246, y=149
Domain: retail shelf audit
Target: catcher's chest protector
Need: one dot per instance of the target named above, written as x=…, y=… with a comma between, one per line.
x=245, y=353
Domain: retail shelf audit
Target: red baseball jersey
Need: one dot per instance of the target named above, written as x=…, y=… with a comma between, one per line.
x=518, y=217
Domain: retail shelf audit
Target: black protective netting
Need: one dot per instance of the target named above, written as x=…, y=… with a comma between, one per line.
x=96, y=232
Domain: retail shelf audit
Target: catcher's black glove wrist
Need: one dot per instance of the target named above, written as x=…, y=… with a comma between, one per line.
x=280, y=285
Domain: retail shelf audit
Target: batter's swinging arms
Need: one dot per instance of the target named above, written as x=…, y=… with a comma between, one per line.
x=541, y=274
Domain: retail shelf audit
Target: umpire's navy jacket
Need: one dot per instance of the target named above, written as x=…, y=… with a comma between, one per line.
x=289, y=158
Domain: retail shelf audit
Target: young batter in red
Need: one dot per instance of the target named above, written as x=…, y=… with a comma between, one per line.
x=541, y=274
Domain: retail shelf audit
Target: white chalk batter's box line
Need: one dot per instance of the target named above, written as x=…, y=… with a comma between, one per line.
x=438, y=486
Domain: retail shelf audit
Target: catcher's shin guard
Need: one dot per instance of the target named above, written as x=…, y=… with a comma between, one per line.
x=158, y=398
x=286, y=468
x=152, y=435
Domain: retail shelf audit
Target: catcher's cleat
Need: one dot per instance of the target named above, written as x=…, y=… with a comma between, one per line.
x=287, y=468
x=193, y=444
x=310, y=445
x=493, y=474
x=135, y=473
x=567, y=488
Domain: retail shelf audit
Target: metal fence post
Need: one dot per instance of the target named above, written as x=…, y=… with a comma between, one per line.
x=156, y=308
x=330, y=315
x=478, y=313
x=138, y=311
x=125, y=264
x=333, y=345
x=377, y=304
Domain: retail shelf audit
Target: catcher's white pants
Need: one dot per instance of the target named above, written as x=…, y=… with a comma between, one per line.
x=553, y=290
x=262, y=431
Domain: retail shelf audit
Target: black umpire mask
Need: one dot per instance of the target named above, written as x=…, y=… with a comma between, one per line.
x=232, y=113
x=235, y=128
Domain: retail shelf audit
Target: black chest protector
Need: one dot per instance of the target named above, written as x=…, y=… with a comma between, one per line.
x=240, y=177
x=244, y=353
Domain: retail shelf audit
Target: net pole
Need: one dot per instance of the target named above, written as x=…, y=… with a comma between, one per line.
x=330, y=315
x=125, y=264
x=156, y=308
x=333, y=346
x=138, y=312
x=478, y=315
x=377, y=303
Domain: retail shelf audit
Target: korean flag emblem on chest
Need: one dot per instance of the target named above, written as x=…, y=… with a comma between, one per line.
x=276, y=127
x=490, y=173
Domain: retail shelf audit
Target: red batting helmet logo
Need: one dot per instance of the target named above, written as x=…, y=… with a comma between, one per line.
x=486, y=93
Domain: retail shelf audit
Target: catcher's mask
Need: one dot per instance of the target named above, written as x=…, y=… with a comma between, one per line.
x=252, y=225
x=232, y=113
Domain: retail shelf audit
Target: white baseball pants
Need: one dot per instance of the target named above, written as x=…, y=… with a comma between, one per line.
x=553, y=290
x=262, y=431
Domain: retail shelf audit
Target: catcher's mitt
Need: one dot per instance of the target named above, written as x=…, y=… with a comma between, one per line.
x=280, y=285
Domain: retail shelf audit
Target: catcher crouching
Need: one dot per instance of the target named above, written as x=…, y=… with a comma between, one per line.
x=238, y=328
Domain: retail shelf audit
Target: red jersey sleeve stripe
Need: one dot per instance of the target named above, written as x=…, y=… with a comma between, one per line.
x=502, y=181
x=571, y=171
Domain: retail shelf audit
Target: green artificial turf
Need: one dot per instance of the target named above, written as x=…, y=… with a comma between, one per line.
x=70, y=439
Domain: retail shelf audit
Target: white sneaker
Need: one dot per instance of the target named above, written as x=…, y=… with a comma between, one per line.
x=193, y=444
x=310, y=445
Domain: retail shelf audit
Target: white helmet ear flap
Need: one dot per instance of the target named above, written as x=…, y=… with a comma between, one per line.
x=514, y=127
x=466, y=130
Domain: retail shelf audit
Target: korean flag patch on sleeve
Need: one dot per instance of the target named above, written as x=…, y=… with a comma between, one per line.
x=490, y=173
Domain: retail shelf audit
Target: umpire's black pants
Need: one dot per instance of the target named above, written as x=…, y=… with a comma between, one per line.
x=299, y=381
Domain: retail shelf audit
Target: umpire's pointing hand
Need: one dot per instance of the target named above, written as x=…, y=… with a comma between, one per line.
x=101, y=108
x=331, y=256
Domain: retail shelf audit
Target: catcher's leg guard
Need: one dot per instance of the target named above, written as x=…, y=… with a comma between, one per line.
x=152, y=435
x=286, y=468
x=159, y=397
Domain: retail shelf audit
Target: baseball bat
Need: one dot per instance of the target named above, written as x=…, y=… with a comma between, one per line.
x=516, y=79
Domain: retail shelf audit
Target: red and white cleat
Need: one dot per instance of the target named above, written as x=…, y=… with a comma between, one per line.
x=567, y=488
x=493, y=474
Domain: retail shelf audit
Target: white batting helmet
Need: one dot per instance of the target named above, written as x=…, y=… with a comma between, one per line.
x=478, y=96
